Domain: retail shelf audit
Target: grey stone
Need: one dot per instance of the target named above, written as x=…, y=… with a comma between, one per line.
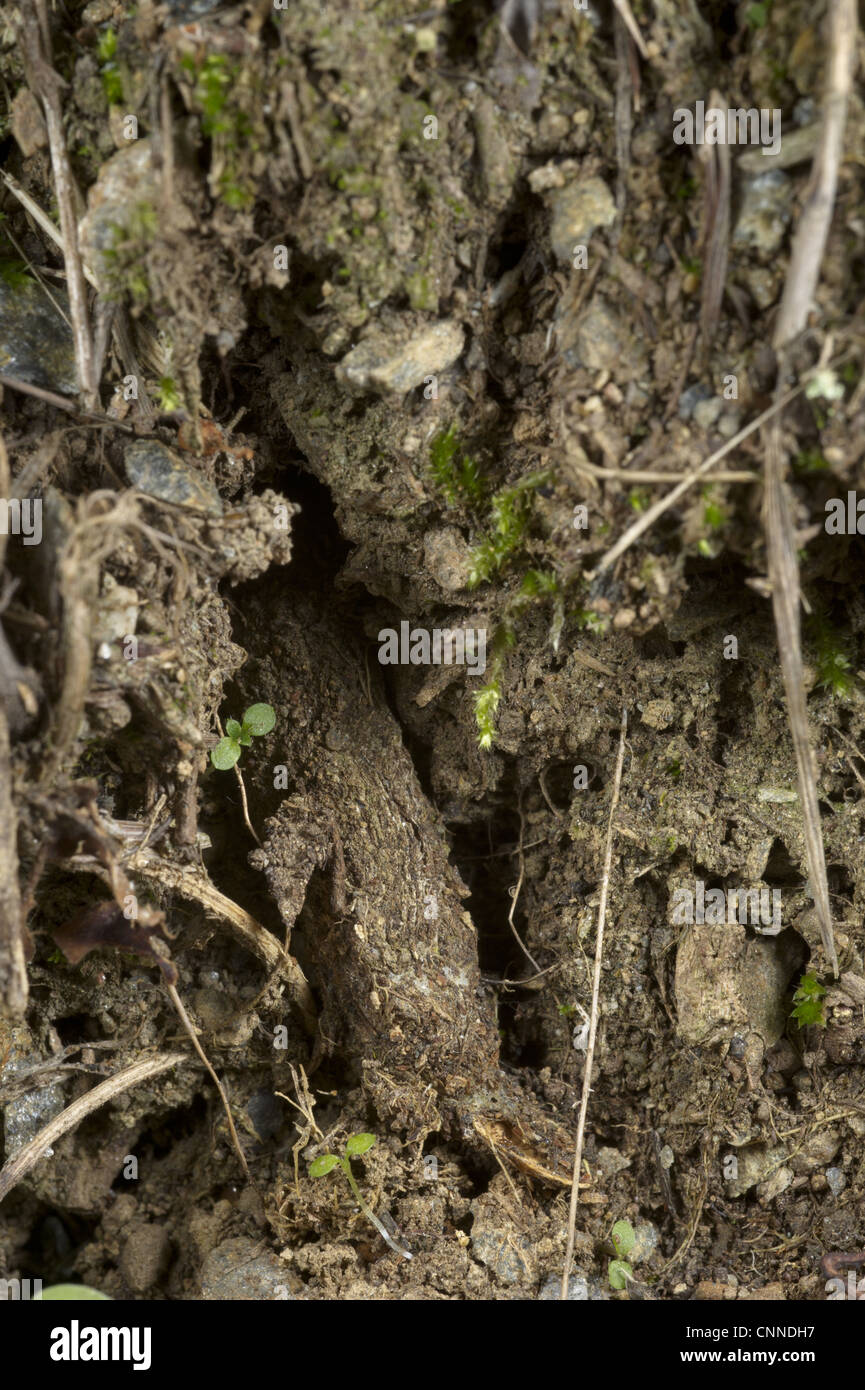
x=580, y=1290
x=604, y=342
x=706, y=412
x=729, y=424
x=817, y=1151
x=578, y=209
x=495, y=1242
x=646, y=1241
x=611, y=1161
x=242, y=1270
x=24, y=1116
x=726, y=980
x=35, y=343
x=119, y=205
x=691, y=397
x=498, y=167
x=779, y=1181
x=507, y=1255
x=377, y=365
x=159, y=472
x=447, y=556
x=755, y=1163
x=765, y=212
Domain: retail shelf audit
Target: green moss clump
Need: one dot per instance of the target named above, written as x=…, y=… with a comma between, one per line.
x=833, y=663
x=810, y=461
x=454, y=472
x=510, y=513
x=486, y=704
x=221, y=98
x=14, y=273
x=109, y=70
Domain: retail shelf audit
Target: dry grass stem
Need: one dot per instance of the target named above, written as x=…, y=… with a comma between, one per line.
x=593, y=1023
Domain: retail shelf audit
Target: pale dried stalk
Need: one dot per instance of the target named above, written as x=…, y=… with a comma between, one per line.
x=13, y=967
x=67, y=403
x=809, y=242
x=593, y=1025
x=78, y=570
x=650, y=475
x=191, y=881
x=45, y=83
x=188, y=1025
x=716, y=229
x=786, y=599
x=624, y=10
x=803, y=273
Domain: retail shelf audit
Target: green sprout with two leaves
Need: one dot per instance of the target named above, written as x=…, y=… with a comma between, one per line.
x=258, y=720
x=624, y=1239
x=356, y=1145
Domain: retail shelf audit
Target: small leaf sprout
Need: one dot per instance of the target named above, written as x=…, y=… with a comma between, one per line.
x=357, y=1144
x=258, y=720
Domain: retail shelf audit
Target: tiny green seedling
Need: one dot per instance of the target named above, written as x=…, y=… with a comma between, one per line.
x=258, y=720
x=624, y=1239
x=808, y=1002
x=357, y=1144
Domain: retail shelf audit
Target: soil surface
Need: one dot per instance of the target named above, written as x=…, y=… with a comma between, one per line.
x=400, y=321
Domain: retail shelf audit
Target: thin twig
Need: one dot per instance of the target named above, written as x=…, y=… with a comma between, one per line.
x=188, y=1025
x=66, y=403
x=41, y=218
x=809, y=242
x=716, y=229
x=649, y=475
x=623, y=118
x=593, y=1026
x=625, y=11
x=786, y=598
x=648, y=518
x=305, y=1104
x=13, y=967
x=37, y=277
x=294, y=124
x=45, y=84
x=16, y=1168
x=516, y=893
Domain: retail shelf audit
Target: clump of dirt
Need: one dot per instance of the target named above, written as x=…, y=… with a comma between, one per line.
x=401, y=325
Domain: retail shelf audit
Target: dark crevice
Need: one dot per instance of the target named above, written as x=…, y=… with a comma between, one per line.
x=780, y=871
x=318, y=552
x=54, y=1246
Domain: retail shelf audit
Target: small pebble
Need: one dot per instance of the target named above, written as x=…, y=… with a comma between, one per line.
x=35, y=343
x=691, y=397
x=707, y=411
x=580, y=1290
x=157, y=471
